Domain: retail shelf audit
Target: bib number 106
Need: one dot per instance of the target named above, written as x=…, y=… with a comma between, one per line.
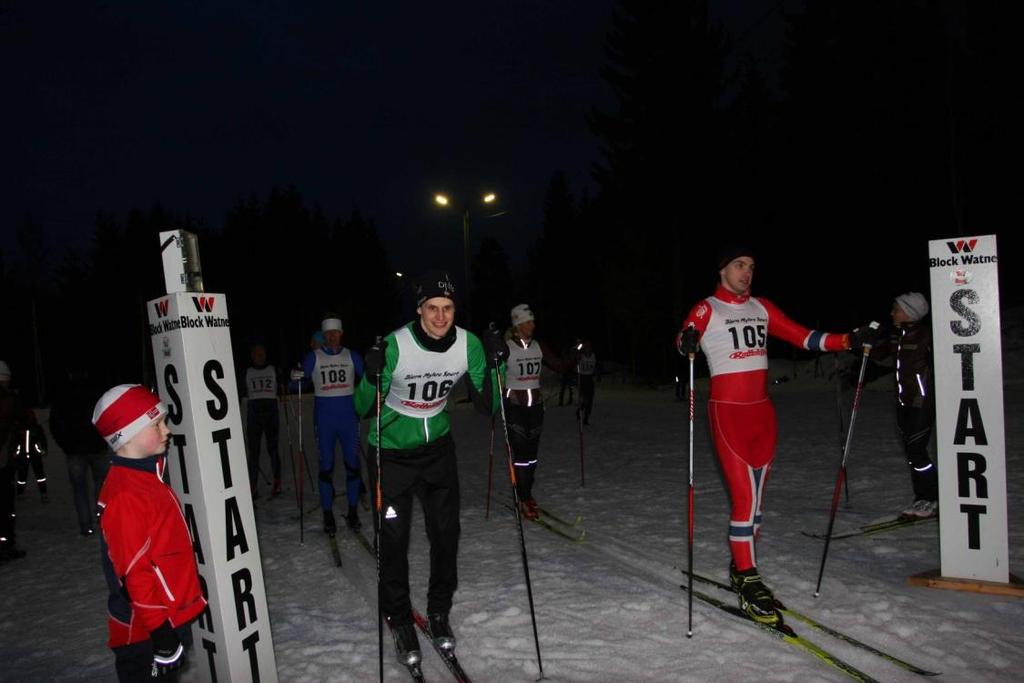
x=429, y=390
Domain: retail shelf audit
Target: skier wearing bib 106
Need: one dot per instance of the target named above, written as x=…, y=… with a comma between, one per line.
x=334, y=371
x=524, y=409
x=417, y=365
x=732, y=328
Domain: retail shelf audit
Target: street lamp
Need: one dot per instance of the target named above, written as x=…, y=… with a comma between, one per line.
x=443, y=201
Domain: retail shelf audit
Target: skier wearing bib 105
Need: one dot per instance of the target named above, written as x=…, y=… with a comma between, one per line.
x=732, y=328
x=524, y=409
x=418, y=365
x=334, y=371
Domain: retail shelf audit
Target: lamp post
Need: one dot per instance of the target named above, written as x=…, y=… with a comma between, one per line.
x=443, y=201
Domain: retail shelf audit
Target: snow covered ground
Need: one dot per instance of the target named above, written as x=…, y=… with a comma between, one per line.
x=609, y=609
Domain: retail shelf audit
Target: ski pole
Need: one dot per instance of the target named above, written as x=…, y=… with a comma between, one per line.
x=490, y=469
x=841, y=475
x=378, y=506
x=291, y=449
x=839, y=414
x=579, y=410
x=515, y=499
x=302, y=459
x=689, y=518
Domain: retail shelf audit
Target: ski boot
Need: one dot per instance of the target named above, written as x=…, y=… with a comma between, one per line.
x=407, y=645
x=441, y=631
x=529, y=509
x=330, y=526
x=352, y=519
x=921, y=509
x=756, y=599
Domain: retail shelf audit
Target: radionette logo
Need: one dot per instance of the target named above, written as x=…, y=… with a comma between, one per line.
x=962, y=246
x=161, y=307
x=203, y=303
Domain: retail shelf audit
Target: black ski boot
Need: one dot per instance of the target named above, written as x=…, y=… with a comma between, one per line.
x=756, y=599
x=441, y=631
x=352, y=519
x=330, y=526
x=407, y=645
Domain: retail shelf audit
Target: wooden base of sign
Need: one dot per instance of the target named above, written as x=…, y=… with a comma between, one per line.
x=932, y=579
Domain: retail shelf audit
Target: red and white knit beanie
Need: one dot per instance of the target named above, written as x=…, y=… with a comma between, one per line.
x=124, y=411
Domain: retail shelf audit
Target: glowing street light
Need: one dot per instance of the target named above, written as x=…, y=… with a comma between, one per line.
x=487, y=198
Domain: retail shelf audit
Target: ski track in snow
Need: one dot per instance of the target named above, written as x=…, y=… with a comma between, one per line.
x=609, y=609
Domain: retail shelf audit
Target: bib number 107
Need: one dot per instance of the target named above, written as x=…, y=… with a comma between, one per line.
x=753, y=336
x=429, y=390
x=529, y=368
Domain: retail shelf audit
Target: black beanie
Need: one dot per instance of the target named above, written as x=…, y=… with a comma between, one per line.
x=434, y=283
x=731, y=252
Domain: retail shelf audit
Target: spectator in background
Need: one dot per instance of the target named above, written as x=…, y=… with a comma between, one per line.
x=12, y=415
x=261, y=417
x=84, y=450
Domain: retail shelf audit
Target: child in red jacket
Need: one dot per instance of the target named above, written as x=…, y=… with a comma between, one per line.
x=147, y=551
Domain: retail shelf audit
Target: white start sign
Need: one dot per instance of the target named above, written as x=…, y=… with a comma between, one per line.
x=190, y=332
x=969, y=408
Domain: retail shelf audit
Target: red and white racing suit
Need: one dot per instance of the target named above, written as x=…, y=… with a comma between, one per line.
x=733, y=334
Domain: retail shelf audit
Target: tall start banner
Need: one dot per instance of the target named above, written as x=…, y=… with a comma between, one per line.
x=196, y=377
x=969, y=408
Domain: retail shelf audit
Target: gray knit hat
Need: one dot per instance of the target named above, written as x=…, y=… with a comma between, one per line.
x=913, y=304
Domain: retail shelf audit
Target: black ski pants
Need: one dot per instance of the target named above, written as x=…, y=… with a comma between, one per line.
x=134, y=663
x=525, y=424
x=429, y=474
x=79, y=467
x=262, y=419
x=6, y=503
x=915, y=425
x=36, y=462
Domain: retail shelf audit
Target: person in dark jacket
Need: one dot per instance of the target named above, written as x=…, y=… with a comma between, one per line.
x=12, y=423
x=85, y=452
x=911, y=345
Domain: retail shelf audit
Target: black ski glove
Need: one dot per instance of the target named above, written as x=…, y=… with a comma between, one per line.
x=168, y=652
x=865, y=335
x=494, y=346
x=688, y=341
x=374, y=360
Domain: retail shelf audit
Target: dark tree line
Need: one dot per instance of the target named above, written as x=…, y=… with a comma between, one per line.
x=888, y=125
x=281, y=264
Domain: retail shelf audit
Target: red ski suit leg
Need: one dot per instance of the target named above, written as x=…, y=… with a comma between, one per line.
x=744, y=435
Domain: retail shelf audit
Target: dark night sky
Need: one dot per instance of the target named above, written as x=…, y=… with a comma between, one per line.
x=112, y=105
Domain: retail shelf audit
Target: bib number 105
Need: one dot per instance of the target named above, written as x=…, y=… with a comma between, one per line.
x=753, y=336
x=429, y=390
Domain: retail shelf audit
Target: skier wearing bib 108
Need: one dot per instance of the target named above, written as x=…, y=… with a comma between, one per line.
x=418, y=364
x=334, y=370
x=524, y=409
x=732, y=328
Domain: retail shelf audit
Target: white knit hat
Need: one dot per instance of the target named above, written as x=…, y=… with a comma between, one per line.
x=521, y=314
x=331, y=323
x=913, y=304
x=124, y=411
x=5, y=372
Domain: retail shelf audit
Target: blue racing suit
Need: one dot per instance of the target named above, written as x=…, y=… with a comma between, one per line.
x=334, y=374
